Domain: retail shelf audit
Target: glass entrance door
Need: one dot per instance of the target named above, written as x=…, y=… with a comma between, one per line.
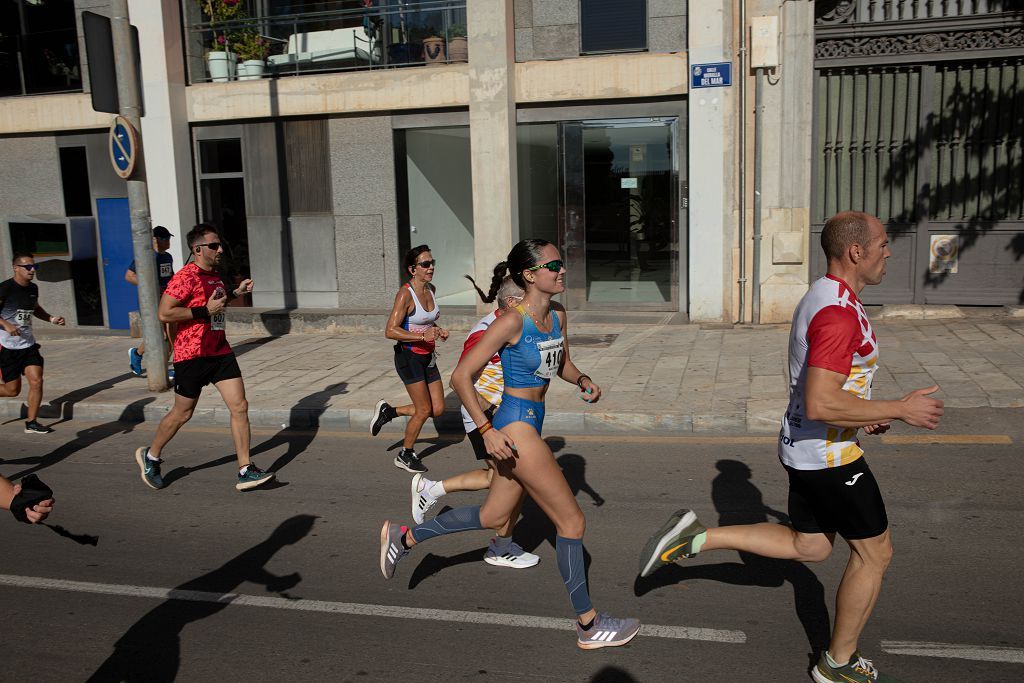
x=620, y=217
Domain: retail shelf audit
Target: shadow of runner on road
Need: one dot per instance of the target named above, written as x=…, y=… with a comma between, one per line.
x=307, y=411
x=738, y=501
x=84, y=439
x=612, y=674
x=151, y=649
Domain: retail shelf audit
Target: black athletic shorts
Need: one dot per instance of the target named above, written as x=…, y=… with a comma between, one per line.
x=843, y=500
x=477, y=439
x=415, y=367
x=190, y=376
x=14, y=361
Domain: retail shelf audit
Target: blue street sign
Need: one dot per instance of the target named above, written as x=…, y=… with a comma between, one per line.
x=716, y=75
x=123, y=147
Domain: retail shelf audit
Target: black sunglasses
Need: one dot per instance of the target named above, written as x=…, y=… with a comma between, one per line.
x=427, y=264
x=27, y=266
x=212, y=246
x=554, y=266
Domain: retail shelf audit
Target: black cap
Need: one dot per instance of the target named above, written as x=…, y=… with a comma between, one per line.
x=162, y=232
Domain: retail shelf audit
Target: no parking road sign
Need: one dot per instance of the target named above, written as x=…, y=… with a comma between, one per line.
x=124, y=147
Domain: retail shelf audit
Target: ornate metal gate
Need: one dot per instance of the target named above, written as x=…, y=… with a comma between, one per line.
x=919, y=119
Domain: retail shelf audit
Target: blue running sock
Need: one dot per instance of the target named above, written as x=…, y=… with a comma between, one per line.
x=569, y=553
x=460, y=519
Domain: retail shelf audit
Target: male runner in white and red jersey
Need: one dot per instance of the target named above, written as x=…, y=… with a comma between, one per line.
x=490, y=385
x=833, y=356
x=195, y=299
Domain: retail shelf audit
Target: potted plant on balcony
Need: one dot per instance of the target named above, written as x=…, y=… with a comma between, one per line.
x=221, y=61
x=433, y=47
x=458, y=44
x=252, y=50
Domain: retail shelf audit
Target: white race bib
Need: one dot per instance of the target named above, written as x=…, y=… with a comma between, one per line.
x=166, y=270
x=23, y=317
x=217, y=321
x=551, y=354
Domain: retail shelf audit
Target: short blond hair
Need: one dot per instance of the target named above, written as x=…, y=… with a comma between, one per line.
x=508, y=289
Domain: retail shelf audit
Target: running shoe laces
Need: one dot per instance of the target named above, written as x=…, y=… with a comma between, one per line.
x=423, y=500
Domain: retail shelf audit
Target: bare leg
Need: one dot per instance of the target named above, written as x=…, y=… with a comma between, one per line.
x=34, y=375
x=175, y=419
x=770, y=540
x=11, y=389
x=141, y=348
x=473, y=480
x=420, y=411
x=858, y=592
x=233, y=393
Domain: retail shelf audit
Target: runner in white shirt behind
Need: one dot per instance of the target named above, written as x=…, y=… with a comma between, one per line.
x=490, y=385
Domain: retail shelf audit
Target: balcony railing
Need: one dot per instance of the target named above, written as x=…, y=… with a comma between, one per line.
x=870, y=11
x=37, y=63
x=387, y=34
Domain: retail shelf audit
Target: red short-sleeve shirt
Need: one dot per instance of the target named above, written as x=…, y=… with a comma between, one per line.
x=193, y=286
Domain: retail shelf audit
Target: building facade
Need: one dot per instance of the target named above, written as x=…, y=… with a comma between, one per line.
x=325, y=138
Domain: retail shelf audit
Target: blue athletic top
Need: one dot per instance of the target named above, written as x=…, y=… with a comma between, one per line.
x=536, y=357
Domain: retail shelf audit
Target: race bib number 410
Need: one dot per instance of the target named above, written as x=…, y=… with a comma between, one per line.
x=551, y=354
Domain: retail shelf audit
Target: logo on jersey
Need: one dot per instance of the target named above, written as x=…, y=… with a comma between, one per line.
x=855, y=478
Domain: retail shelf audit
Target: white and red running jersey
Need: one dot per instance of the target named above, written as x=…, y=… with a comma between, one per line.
x=491, y=383
x=831, y=331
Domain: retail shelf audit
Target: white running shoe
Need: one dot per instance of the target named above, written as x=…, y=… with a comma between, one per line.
x=422, y=499
x=513, y=556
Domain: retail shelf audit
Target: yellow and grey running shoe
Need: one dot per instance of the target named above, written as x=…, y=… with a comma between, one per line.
x=671, y=542
x=857, y=670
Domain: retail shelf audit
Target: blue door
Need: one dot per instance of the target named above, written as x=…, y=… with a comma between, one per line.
x=115, y=223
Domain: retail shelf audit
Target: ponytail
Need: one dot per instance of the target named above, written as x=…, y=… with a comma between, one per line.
x=499, y=275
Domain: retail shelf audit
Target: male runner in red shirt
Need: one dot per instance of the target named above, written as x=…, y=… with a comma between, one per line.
x=195, y=300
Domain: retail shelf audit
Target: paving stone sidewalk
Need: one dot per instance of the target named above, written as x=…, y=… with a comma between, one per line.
x=656, y=379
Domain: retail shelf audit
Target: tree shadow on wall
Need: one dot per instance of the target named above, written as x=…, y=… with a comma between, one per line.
x=975, y=145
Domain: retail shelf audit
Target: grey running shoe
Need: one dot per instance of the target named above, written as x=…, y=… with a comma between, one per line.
x=149, y=469
x=422, y=499
x=513, y=556
x=253, y=478
x=391, y=548
x=671, y=542
x=857, y=670
x=409, y=461
x=606, y=631
x=382, y=414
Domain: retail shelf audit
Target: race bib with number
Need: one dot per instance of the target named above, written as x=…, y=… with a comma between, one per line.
x=217, y=321
x=23, y=317
x=166, y=270
x=551, y=354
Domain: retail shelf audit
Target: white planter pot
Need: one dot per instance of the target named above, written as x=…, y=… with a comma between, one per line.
x=221, y=66
x=251, y=69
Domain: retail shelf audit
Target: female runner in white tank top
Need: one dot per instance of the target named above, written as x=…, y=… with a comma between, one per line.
x=413, y=326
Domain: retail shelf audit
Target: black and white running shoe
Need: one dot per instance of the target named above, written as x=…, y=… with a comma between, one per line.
x=512, y=556
x=409, y=461
x=382, y=414
x=33, y=427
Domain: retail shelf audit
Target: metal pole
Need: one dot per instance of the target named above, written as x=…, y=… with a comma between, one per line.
x=755, y=290
x=128, y=98
x=742, y=136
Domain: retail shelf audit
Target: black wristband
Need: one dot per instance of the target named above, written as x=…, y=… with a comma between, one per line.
x=579, y=380
x=200, y=313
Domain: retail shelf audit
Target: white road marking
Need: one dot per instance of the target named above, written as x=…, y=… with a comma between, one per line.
x=980, y=653
x=389, y=611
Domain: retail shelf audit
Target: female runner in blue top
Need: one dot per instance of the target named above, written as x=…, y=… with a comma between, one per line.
x=533, y=350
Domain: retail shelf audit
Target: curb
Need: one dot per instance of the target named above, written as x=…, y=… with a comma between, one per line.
x=357, y=419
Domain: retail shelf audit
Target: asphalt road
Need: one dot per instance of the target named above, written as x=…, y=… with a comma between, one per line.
x=283, y=583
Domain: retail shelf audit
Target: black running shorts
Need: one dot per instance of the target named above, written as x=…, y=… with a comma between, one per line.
x=14, y=361
x=415, y=367
x=477, y=439
x=190, y=376
x=843, y=500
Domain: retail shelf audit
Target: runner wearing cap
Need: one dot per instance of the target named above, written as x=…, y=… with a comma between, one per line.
x=164, y=270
